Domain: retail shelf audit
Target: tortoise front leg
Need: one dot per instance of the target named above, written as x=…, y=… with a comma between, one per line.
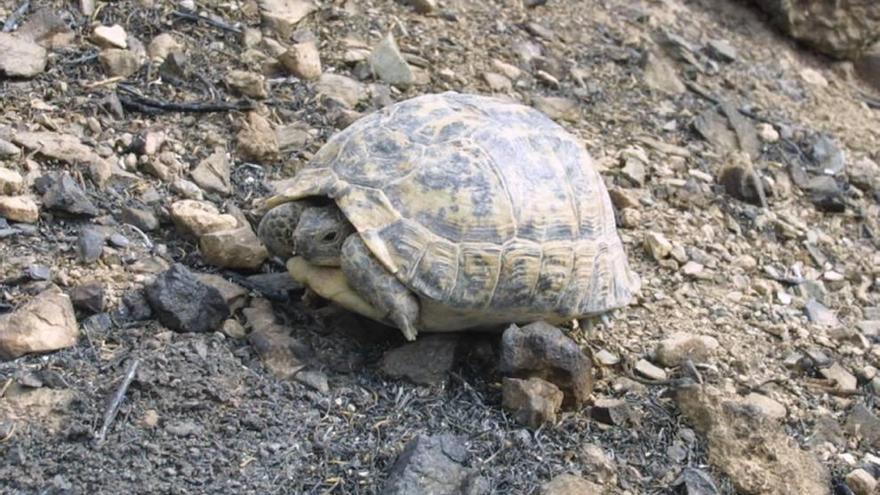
x=381, y=289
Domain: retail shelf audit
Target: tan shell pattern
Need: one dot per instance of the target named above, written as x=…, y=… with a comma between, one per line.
x=478, y=204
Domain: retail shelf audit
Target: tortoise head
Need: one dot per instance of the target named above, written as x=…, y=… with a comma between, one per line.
x=301, y=228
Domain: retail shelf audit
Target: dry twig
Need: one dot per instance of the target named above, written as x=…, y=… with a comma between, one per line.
x=192, y=16
x=113, y=407
x=12, y=21
x=133, y=100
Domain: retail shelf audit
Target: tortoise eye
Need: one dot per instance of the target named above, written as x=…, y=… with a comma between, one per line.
x=329, y=237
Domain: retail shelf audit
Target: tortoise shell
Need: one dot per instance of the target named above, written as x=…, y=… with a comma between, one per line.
x=487, y=210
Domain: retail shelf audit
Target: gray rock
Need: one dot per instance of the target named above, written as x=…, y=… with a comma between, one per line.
x=344, y=90
x=133, y=307
x=90, y=243
x=38, y=272
x=818, y=313
x=274, y=286
x=184, y=428
x=616, y=412
x=64, y=194
x=714, y=128
x=235, y=295
x=543, y=351
x=9, y=150
x=212, y=174
x=634, y=172
x=432, y=464
x=315, y=379
x=697, y=482
x=118, y=240
x=825, y=194
x=843, y=379
x=863, y=424
x=425, y=361
x=185, y=304
x=21, y=57
x=143, y=219
x=649, y=370
x=423, y=6
x=864, y=174
x=174, y=67
x=721, y=50
x=827, y=155
x=388, y=63
x=660, y=75
x=89, y=297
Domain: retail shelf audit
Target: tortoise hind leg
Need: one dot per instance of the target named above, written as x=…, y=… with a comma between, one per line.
x=381, y=289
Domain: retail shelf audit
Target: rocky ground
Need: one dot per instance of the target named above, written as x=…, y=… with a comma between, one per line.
x=153, y=346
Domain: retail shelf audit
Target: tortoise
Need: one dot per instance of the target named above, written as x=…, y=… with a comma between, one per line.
x=449, y=212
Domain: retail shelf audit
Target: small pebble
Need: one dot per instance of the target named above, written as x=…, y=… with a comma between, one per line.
x=648, y=370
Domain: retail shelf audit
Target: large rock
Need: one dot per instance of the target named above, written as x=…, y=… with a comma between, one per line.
x=751, y=449
x=45, y=323
x=184, y=303
x=432, y=465
x=840, y=28
x=543, y=351
x=20, y=57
